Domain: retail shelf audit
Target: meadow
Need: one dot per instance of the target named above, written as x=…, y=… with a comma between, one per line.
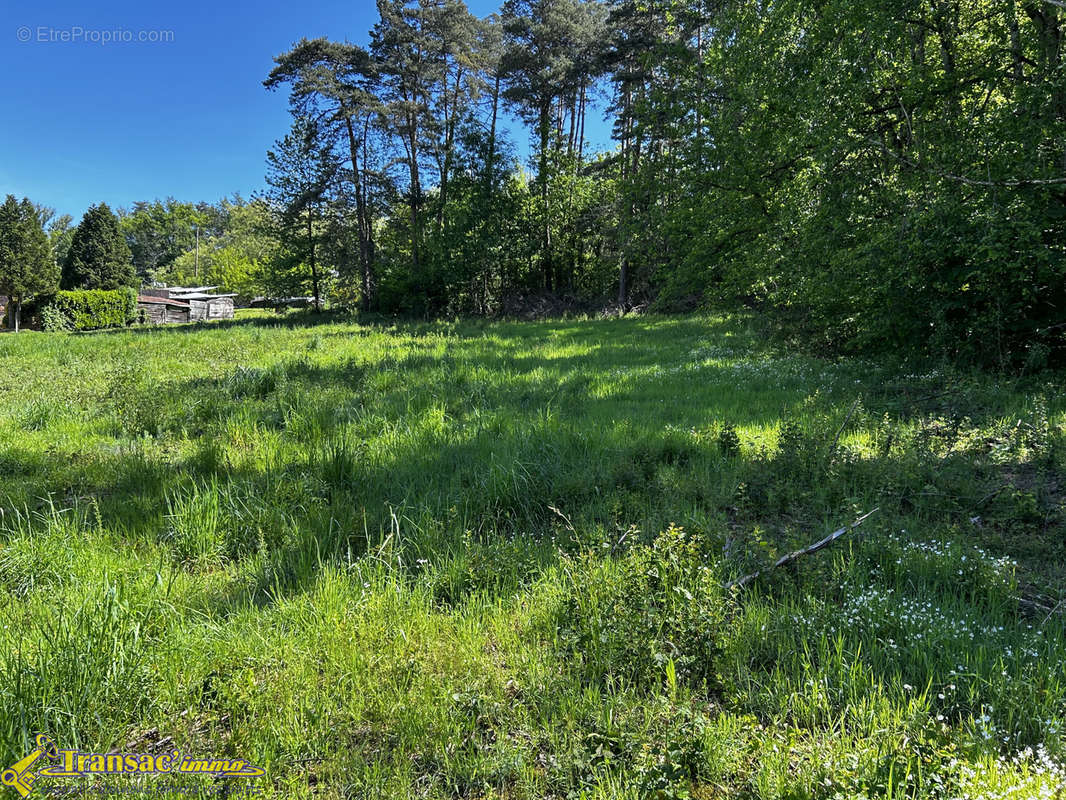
x=385, y=558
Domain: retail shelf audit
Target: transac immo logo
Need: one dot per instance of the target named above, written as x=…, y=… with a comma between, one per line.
x=74, y=763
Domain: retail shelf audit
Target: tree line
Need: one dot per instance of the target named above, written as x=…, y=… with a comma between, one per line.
x=867, y=175
x=232, y=244
x=871, y=175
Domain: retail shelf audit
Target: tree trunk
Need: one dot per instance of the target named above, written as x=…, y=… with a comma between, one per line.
x=311, y=250
x=416, y=202
x=410, y=139
x=581, y=127
x=546, y=230
x=449, y=144
x=490, y=165
x=371, y=252
x=365, y=253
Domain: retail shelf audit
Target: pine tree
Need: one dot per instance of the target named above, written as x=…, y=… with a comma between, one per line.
x=26, y=264
x=302, y=170
x=99, y=257
x=334, y=82
x=546, y=60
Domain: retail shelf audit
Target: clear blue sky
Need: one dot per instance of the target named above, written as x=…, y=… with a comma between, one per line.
x=86, y=120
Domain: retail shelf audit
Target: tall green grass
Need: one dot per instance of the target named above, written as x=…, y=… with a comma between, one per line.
x=458, y=559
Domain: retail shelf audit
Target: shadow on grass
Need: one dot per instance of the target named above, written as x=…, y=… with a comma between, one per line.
x=310, y=462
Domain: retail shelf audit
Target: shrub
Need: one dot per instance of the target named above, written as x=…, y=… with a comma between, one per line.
x=88, y=309
x=632, y=615
x=55, y=321
x=140, y=404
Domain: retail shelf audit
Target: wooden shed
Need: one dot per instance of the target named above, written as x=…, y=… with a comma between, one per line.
x=204, y=303
x=206, y=307
x=163, y=310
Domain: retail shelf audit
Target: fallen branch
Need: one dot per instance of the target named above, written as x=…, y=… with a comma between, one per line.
x=740, y=583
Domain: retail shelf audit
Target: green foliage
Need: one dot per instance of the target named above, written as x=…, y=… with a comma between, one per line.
x=237, y=259
x=728, y=440
x=89, y=309
x=53, y=320
x=896, y=189
x=872, y=180
x=470, y=558
x=157, y=233
x=82, y=673
x=26, y=265
x=60, y=235
x=657, y=610
x=99, y=257
x=301, y=170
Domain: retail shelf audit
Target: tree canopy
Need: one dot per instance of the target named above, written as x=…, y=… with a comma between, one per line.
x=867, y=175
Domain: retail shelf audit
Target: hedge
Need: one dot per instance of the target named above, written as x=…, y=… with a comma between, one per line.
x=87, y=309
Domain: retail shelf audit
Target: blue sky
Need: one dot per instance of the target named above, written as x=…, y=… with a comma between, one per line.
x=86, y=120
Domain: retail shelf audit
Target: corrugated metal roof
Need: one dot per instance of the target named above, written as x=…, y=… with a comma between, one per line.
x=162, y=301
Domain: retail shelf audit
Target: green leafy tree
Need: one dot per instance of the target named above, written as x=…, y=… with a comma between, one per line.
x=26, y=264
x=99, y=257
x=546, y=58
x=60, y=234
x=159, y=232
x=234, y=259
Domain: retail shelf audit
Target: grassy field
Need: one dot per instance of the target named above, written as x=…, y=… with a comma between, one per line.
x=487, y=560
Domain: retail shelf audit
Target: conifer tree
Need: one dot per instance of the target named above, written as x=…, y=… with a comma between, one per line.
x=26, y=264
x=99, y=257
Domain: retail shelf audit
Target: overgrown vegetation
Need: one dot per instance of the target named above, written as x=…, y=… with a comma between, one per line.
x=487, y=560
x=88, y=309
x=878, y=176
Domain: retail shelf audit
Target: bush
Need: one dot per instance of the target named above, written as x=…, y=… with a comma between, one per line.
x=54, y=321
x=89, y=309
x=630, y=616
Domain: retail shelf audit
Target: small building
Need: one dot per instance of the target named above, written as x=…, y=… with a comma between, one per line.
x=206, y=307
x=204, y=303
x=162, y=310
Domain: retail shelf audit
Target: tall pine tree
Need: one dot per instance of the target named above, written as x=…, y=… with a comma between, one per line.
x=301, y=172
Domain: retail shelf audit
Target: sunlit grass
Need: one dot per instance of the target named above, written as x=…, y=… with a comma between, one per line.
x=484, y=560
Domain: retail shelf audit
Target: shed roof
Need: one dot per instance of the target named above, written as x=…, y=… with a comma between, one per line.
x=148, y=299
x=190, y=289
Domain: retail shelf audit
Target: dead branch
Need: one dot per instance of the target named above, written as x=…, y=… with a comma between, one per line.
x=1035, y=606
x=740, y=583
